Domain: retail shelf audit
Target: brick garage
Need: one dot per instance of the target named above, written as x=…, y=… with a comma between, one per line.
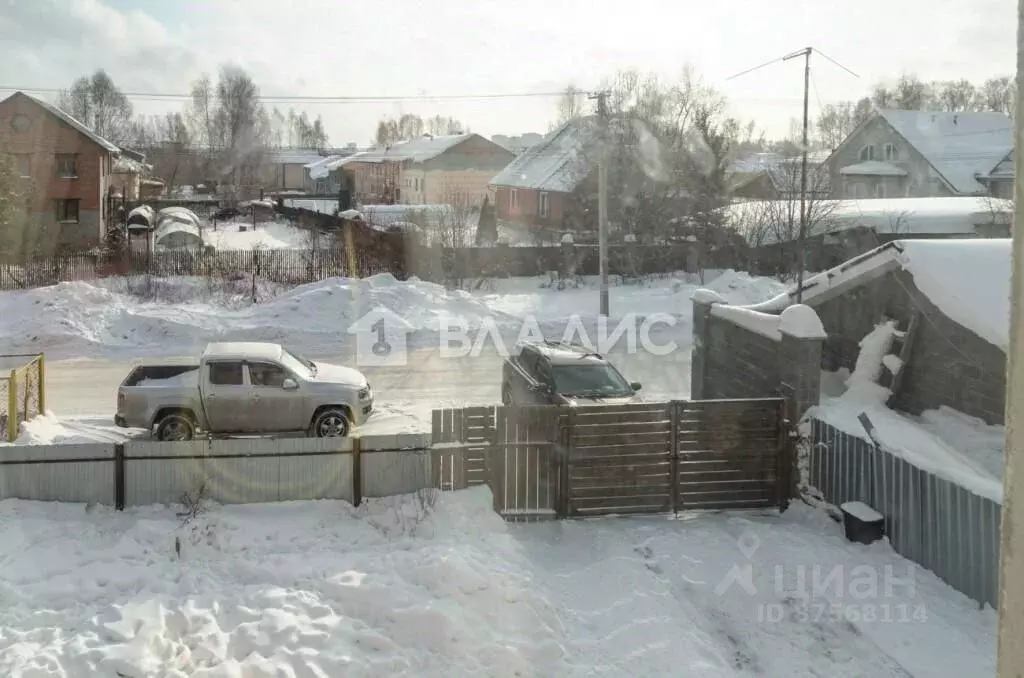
x=68, y=166
x=949, y=364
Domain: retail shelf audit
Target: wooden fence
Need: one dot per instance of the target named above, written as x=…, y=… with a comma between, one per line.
x=545, y=462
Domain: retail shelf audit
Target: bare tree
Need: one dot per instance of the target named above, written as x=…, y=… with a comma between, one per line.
x=999, y=95
x=571, y=104
x=957, y=95
x=837, y=121
x=772, y=227
x=97, y=102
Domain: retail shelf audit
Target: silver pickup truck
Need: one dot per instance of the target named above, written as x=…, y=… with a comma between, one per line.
x=244, y=389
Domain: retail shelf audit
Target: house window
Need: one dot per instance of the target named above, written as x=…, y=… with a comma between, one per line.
x=23, y=165
x=66, y=166
x=891, y=152
x=513, y=199
x=66, y=211
x=544, y=204
x=867, y=153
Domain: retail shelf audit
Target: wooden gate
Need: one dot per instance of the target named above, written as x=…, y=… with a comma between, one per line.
x=543, y=462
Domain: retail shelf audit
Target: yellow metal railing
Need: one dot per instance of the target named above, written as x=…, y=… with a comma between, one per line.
x=24, y=386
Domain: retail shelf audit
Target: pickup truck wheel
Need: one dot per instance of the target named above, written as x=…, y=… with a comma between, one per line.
x=175, y=428
x=331, y=423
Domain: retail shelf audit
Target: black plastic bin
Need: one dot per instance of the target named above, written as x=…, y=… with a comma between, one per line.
x=862, y=523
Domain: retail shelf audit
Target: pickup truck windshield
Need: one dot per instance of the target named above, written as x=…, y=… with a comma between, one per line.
x=300, y=366
x=590, y=380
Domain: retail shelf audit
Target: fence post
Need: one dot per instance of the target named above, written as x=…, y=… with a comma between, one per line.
x=357, y=471
x=675, y=409
x=42, y=380
x=119, y=476
x=565, y=462
x=787, y=410
x=13, y=422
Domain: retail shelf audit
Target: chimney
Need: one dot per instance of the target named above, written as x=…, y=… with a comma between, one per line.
x=955, y=119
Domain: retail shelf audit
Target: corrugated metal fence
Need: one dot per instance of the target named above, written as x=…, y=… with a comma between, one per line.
x=227, y=471
x=930, y=520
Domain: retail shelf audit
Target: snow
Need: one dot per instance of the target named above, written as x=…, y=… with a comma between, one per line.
x=556, y=164
x=765, y=324
x=91, y=318
x=270, y=235
x=802, y=322
x=969, y=280
x=874, y=168
x=861, y=511
x=703, y=296
x=413, y=586
x=920, y=216
x=943, y=442
x=892, y=363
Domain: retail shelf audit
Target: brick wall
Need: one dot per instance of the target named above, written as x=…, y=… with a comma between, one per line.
x=46, y=137
x=949, y=364
x=732, y=360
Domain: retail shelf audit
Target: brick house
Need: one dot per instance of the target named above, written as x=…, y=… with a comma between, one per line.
x=536, y=190
x=67, y=162
x=951, y=297
x=451, y=169
x=919, y=154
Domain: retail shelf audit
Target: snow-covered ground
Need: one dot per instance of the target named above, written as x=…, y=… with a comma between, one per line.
x=270, y=235
x=397, y=588
x=94, y=319
x=93, y=332
x=945, y=442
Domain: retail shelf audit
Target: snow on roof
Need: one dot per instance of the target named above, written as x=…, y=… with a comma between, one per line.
x=170, y=227
x=959, y=145
x=69, y=120
x=420, y=149
x=926, y=216
x=967, y=279
x=324, y=166
x=127, y=165
x=247, y=349
x=1005, y=168
x=874, y=168
x=293, y=156
x=555, y=164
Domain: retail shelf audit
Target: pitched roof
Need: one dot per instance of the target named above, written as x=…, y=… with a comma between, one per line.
x=555, y=164
x=67, y=119
x=420, y=149
x=959, y=145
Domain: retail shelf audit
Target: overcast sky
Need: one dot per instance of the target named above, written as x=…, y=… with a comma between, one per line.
x=458, y=47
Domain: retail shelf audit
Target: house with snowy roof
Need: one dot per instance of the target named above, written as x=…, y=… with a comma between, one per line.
x=536, y=189
x=949, y=301
x=69, y=166
x=449, y=169
x=905, y=154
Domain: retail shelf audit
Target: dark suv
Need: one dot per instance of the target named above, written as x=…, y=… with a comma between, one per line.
x=554, y=373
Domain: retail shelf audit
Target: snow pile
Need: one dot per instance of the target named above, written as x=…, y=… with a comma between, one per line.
x=270, y=235
x=48, y=429
x=299, y=589
x=927, y=447
x=77, y=317
x=969, y=280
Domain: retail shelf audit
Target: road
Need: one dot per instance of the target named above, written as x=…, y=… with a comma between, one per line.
x=84, y=390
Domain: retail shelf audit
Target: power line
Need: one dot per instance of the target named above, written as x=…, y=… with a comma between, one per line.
x=757, y=68
x=313, y=98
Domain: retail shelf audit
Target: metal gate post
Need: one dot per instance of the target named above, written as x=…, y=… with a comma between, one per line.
x=675, y=409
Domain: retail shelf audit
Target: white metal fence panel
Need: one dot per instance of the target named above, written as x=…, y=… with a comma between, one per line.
x=71, y=473
x=936, y=523
x=238, y=471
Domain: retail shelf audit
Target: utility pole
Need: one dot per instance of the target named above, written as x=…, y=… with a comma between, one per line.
x=802, y=237
x=602, y=198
